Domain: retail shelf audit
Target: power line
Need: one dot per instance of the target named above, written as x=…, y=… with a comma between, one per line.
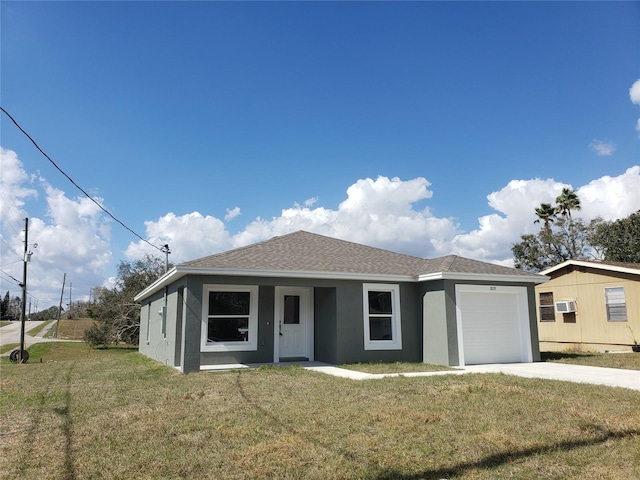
x=74, y=183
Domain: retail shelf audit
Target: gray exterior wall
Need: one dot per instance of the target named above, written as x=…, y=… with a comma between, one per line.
x=428, y=312
x=158, y=335
x=338, y=324
x=325, y=324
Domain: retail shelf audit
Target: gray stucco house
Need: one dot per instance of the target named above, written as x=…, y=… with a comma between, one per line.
x=308, y=296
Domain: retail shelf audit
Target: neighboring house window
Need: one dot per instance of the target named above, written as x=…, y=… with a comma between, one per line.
x=616, y=304
x=382, y=326
x=230, y=318
x=547, y=312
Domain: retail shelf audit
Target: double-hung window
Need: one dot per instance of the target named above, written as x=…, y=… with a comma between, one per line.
x=382, y=323
x=230, y=318
x=547, y=312
x=616, y=304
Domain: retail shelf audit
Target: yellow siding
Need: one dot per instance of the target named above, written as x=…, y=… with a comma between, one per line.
x=586, y=286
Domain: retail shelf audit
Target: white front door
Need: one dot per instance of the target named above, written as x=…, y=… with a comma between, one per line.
x=293, y=324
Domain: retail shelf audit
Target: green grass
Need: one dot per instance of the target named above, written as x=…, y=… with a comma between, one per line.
x=4, y=323
x=114, y=414
x=8, y=346
x=628, y=361
x=36, y=330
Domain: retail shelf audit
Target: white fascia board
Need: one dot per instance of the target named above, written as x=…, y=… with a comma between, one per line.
x=171, y=276
x=600, y=266
x=297, y=274
x=483, y=277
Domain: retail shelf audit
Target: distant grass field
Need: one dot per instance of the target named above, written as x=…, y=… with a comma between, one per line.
x=71, y=329
x=114, y=414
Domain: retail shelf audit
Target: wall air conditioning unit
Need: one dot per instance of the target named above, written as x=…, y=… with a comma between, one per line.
x=566, y=306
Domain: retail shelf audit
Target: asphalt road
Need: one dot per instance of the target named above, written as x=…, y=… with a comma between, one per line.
x=11, y=334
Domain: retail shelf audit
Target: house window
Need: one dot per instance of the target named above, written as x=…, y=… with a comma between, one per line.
x=547, y=312
x=382, y=326
x=230, y=318
x=616, y=304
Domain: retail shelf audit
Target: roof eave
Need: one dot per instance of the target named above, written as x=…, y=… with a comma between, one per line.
x=178, y=272
x=584, y=263
x=483, y=277
x=237, y=272
x=166, y=279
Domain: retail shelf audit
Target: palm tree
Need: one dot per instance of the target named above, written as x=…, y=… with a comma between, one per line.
x=565, y=202
x=546, y=213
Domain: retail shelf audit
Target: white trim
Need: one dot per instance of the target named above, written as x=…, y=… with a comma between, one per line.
x=306, y=316
x=523, y=314
x=179, y=271
x=252, y=343
x=596, y=265
x=166, y=279
x=396, y=318
x=482, y=277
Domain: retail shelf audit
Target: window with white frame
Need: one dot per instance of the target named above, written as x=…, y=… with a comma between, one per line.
x=382, y=323
x=230, y=318
x=616, y=304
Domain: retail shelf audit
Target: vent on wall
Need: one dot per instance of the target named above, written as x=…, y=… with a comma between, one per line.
x=566, y=307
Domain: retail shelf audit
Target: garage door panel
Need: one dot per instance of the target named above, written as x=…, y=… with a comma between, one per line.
x=491, y=327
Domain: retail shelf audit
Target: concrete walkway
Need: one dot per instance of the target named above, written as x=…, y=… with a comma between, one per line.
x=612, y=377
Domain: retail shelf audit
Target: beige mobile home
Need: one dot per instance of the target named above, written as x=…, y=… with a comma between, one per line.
x=589, y=306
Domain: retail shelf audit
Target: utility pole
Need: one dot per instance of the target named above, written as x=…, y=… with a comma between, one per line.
x=60, y=306
x=70, y=304
x=165, y=249
x=24, y=288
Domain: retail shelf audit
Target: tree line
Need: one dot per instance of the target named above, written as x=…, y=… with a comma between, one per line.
x=564, y=237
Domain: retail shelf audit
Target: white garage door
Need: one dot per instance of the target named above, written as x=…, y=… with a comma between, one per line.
x=493, y=324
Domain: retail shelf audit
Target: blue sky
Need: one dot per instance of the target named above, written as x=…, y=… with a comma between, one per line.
x=274, y=115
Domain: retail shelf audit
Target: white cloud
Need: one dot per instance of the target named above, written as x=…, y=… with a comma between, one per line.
x=14, y=189
x=189, y=236
x=232, y=213
x=377, y=212
x=611, y=197
x=383, y=213
x=603, y=149
x=386, y=212
x=73, y=238
x=634, y=92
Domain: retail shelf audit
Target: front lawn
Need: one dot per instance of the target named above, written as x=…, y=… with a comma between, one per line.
x=114, y=414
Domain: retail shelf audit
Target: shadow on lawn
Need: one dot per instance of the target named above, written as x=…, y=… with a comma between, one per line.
x=67, y=429
x=493, y=461
x=488, y=463
x=550, y=356
x=38, y=414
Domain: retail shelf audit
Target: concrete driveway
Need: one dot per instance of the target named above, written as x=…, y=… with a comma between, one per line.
x=612, y=377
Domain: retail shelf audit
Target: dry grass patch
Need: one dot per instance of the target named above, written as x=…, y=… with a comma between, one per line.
x=73, y=329
x=395, y=367
x=115, y=414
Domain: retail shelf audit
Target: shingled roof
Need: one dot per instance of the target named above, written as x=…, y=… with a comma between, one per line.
x=309, y=255
x=309, y=252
